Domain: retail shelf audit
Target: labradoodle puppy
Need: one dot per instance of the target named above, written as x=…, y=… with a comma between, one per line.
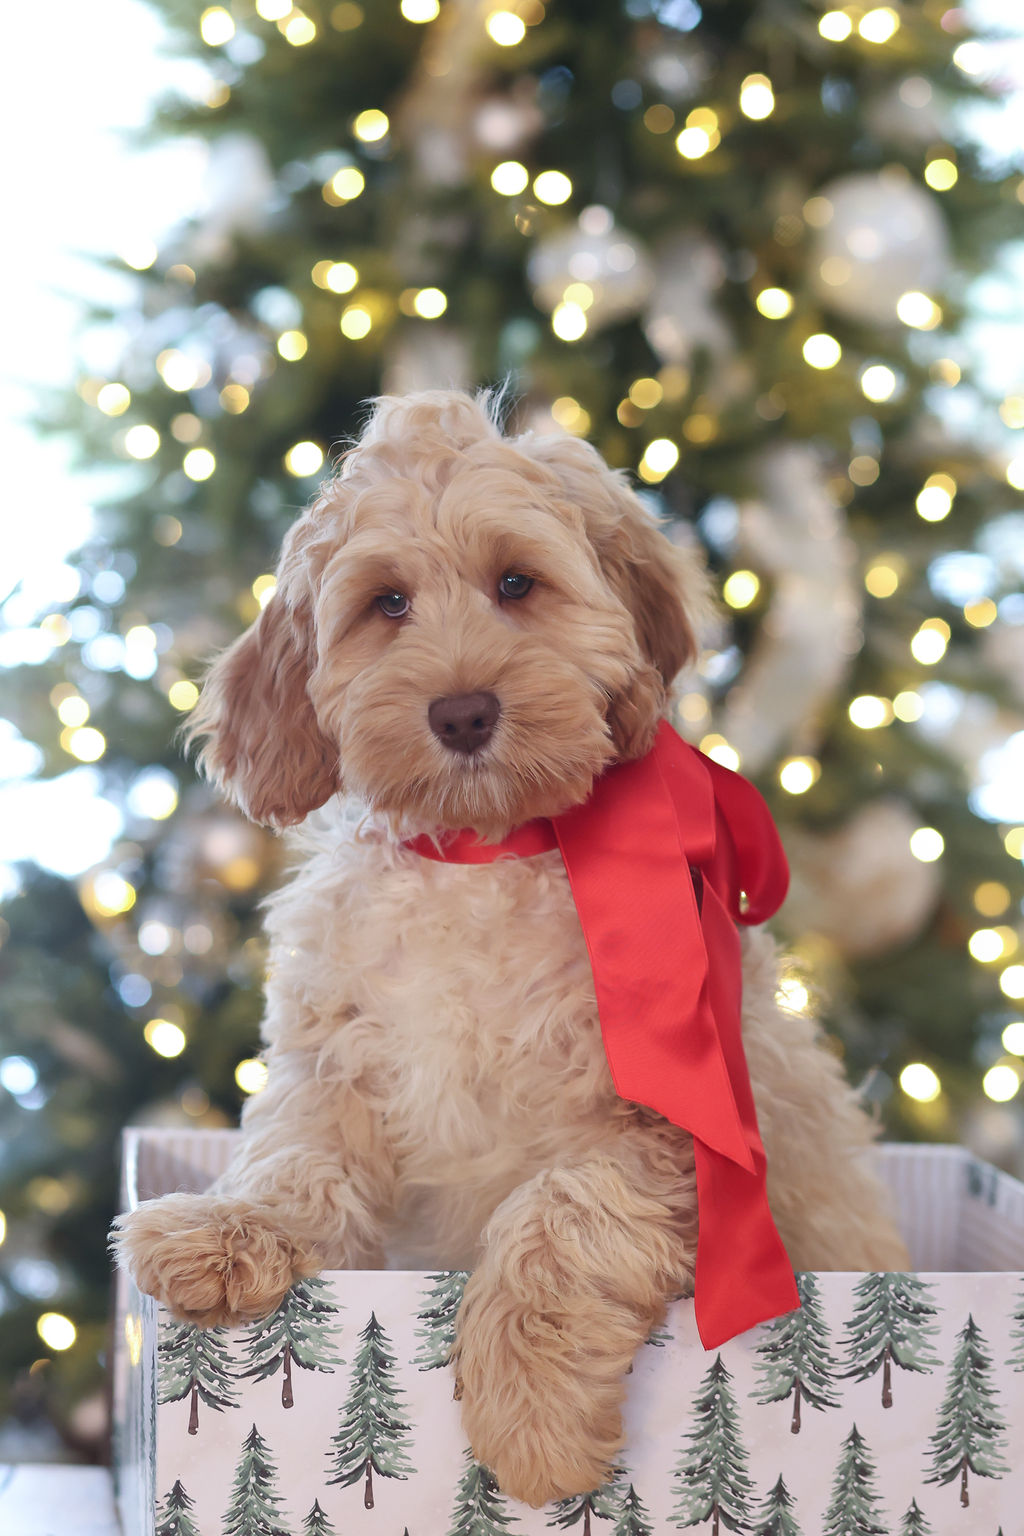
x=467, y=630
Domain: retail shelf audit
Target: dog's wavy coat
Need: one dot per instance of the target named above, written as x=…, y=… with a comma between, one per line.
x=438, y=1092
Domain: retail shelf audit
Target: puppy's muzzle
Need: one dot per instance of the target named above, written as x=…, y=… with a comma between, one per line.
x=464, y=722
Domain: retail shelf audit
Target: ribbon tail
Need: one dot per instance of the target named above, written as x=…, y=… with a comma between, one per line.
x=743, y=1274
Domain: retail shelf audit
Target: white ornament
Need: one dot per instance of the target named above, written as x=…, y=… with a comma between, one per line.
x=594, y=252
x=681, y=317
x=860, y=886
x=886, y=237
x=795, y=534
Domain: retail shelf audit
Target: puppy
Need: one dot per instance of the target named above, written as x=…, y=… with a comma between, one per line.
x=467, y=631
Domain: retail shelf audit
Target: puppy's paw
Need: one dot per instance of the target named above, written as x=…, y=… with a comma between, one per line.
x=541, y=1395
x=209, y=1261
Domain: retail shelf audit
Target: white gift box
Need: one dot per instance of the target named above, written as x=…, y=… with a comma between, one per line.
x=888, y=1405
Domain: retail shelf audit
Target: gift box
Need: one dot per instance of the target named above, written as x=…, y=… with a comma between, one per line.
x=889, y=1403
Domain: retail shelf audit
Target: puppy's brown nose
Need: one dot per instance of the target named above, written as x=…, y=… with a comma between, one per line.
x=463, y=722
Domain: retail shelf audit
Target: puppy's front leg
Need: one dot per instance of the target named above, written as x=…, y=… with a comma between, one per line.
x=578, y=1268
x=306, y=1190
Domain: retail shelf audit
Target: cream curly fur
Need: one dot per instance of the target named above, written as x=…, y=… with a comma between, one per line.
x=438, y=1092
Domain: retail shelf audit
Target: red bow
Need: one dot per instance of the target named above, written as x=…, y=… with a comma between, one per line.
x=665, y=855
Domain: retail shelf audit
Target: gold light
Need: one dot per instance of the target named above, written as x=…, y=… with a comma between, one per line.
x=164, y=1037
x=646, y=393
x=273, y=10
x=1015, y=474
x=251, y=1075
x=659, y=458
x=919, y=1082
x=792, y=994
x=878, y=25
x=868, y=712
x=371, y=125
x=992, y=898
x=344, y=185
x=85, y=743
x=935, y=499
x=918, y=311
x=110, y=894
x=141, y=442
x=941, y=174
x=263, y=589
x=822, y=350
x=56, y=1331
x=986, y=945
x=73, y=710
x=339, y=276
x=552, y=187
x=694, y=142
x=927, y=844
x=1011, y=982
x=1013, y=1039
x=510, y=178
x=235, y=399
x=757, y=100
x=420, y=11
x=835, y=26
x=303, y=459
x=741, y=588
x=199, y=464
x=430, y=303
x=568, y=321
x=877, y=382
x=114, y=399
x=929, y=644
x=139, y=253
x=970, y=57
x=1013, y=842
x=718, y=749
x=216, y=26
x=774, y=303
x=1001, y=1082
x=981, y=613
x=881, y=580
x=292, y=345
x=798, y=774
x=356, y=322
x=908, y=706
x=505, y=28
x=183, y=695
x=1012, y=411
x=299, y=30
x=570, y=415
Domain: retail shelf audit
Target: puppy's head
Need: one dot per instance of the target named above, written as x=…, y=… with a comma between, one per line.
x=466, y=629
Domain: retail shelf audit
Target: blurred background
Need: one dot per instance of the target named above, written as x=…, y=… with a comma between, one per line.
x=760, y=252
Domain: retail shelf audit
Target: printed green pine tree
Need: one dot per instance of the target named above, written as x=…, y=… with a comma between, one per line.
x=174, y=1515
x=890, y=1326
x=796, y=1356
x=970, y=1431
x=853, y=1509
x=776, y=1518
x=195, y=1363
x=914, y=1522
x=634, y=1519
x=253, y=1509
x=711, y=1479
x=1016, y=1356
x=480, y=1508
x=438, y=1318
x=301, y=1332
x=316, y=1523
x=599, y=1503
x=373, y=1435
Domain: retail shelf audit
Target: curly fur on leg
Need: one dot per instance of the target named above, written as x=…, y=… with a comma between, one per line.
x=578, y=1268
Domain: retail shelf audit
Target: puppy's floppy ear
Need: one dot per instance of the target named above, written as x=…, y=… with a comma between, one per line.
x=662, y=586
x=263, y=743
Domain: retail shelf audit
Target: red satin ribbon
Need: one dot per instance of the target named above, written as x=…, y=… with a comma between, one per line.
x=667, y=976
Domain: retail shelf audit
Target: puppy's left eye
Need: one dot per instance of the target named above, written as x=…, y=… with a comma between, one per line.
x=394, y=604
x=514, y=584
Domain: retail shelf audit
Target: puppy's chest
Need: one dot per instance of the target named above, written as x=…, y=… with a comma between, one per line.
x=474, y=993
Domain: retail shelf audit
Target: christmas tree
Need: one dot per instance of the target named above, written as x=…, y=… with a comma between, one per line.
x=1016, y=1357
x=373, y=1435
x=300, y=1332
x=582, y=1509
x=776, y=1517
x=316, y=1522
x=711, y=1478
x=195, y=1363
x=795, y=1357
x=970, y=1433
x=480, y=1509
x=438, y=1318
x=890, y=1326
x=728, y=243
x=174, y=1513
x=634, y=1519
x=253, y=1509
x=853, y=1509
x=914, y=1522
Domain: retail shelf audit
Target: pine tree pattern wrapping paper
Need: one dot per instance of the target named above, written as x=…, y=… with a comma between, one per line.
x=889, y=1405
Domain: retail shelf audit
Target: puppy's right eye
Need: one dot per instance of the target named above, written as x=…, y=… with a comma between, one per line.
x=394, y=605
